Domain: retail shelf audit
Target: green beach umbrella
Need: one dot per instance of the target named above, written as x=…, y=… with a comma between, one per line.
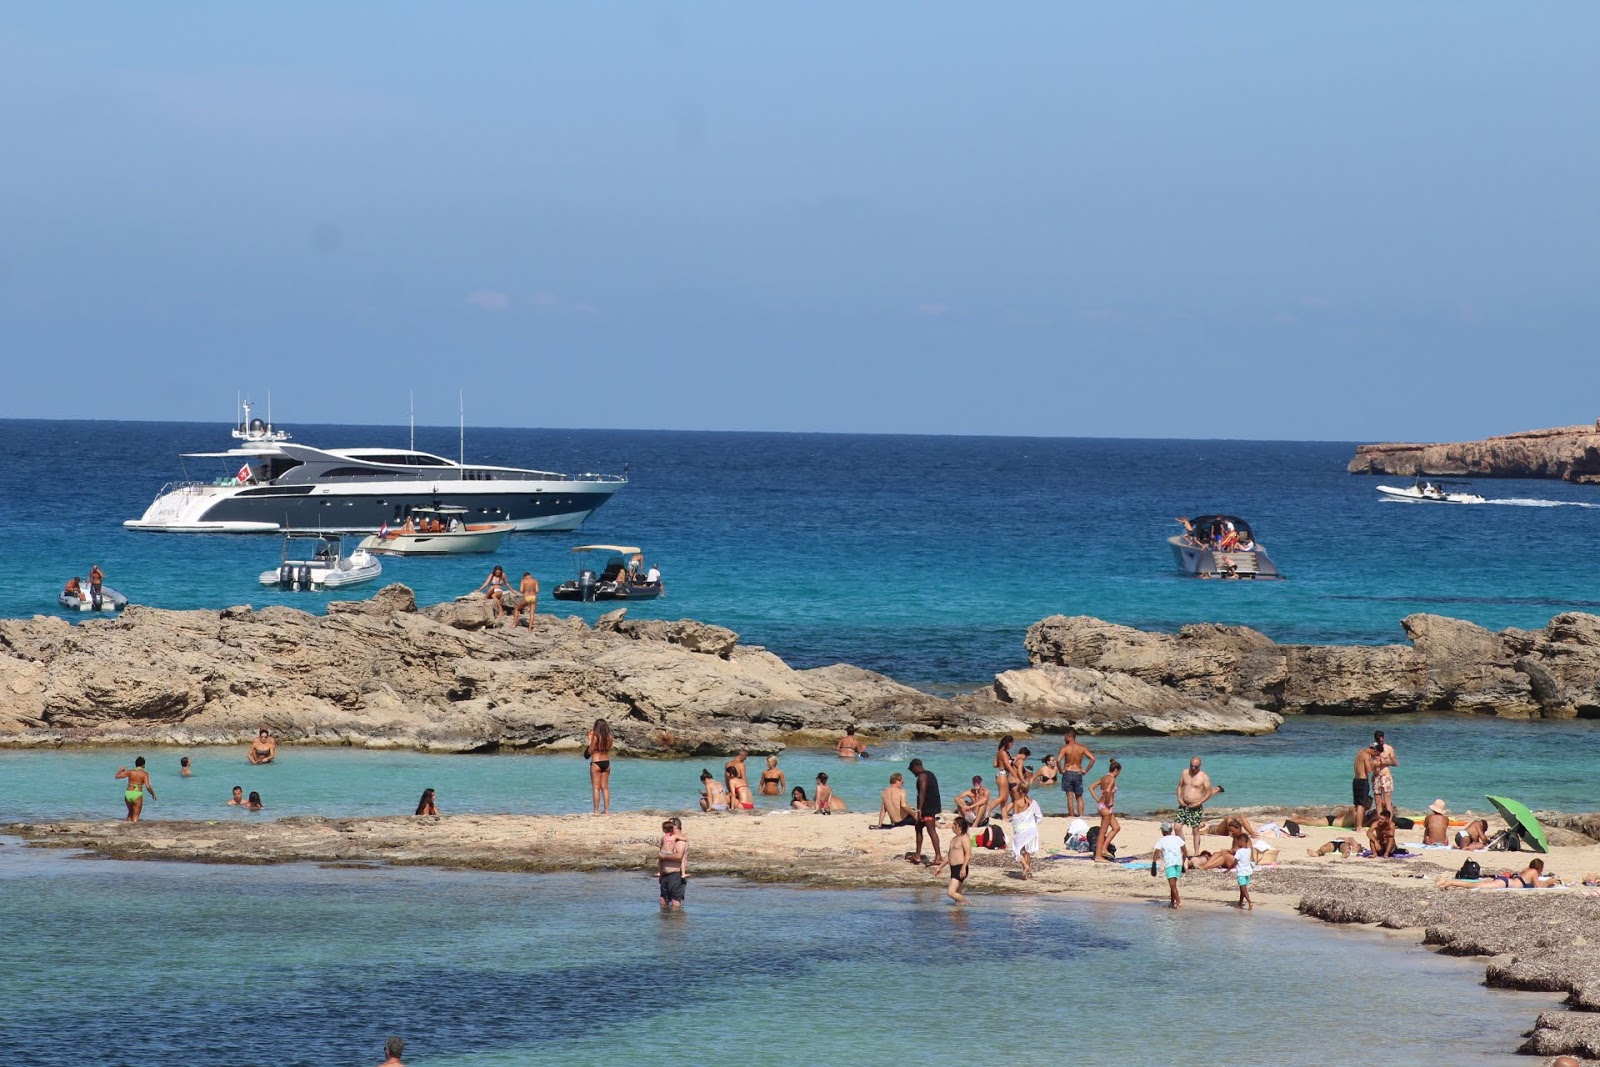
x=1519, y=818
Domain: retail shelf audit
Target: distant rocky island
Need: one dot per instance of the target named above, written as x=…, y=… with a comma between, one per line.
x=1571, y=453
x=450, y=677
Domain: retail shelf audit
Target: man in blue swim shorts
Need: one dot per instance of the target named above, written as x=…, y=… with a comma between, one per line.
x=1074, y=762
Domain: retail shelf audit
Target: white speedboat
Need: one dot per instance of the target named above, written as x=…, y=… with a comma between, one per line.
x=270, y=484
x=614, y=581
x=317, y=561
x=83, y=599
x=1221, y=546
x=1430, y=493
x=439, y=530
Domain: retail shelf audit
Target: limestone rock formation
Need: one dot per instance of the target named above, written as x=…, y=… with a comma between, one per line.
x=1568, y=452
x=1449, y=665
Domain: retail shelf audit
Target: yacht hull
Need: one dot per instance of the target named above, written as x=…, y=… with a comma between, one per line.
x=1198, y=561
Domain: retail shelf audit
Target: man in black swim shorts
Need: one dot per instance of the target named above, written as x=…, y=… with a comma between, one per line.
x=669, y=865
x=927, y=809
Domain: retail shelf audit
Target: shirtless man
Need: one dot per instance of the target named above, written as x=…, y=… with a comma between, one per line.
x=734, y=768
x=1074, y=761
x=1382, y=775
x=1194, y=789
x=850, y=746
x=669, y=865
x=138, y=785
x=529, y=601
x=960, y=860
x=237, y=800
x=1436, y=824
x=927, y=809
x=894, y=808
x=1380, y=835
x=97, y=578
x=393, y=1049
x=1361, y=784
x=975, y=802
x=264, y=750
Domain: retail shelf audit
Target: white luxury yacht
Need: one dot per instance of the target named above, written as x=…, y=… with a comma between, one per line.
x=281, y=486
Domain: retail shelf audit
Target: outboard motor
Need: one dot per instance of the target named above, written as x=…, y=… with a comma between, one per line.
x=305, y=576
x=285, y=576
x=586, y=584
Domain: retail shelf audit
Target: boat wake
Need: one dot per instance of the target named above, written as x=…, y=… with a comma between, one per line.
x=1531, y=502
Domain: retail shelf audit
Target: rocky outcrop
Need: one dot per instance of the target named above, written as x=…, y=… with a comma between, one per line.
x=1568, y=452
x=1051, y=698
x=1449, y=665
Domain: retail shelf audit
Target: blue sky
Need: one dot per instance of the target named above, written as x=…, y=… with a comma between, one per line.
x=1353, y=221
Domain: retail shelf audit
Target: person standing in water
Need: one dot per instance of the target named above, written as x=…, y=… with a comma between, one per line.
x=850, y=746
x=393, y=1049
x=265, y=749
x=428, y=805
x=1074, y=761
x=138, y=781
x=669, y=865
x=598, y=749
x=960, y=859
x=183, y=768
x=1105, y=795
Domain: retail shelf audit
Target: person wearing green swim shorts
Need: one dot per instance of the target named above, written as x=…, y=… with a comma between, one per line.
x=138, y=781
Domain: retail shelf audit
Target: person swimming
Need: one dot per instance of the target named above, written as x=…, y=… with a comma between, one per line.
x=254, y=803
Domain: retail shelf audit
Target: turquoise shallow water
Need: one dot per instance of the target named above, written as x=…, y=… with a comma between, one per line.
x=1306, y=764
x=301, y=967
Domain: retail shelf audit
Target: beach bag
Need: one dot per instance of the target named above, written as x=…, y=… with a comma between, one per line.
x=991, y=836
x=1506, y=841
x=1077, y=838
x=1470, y=871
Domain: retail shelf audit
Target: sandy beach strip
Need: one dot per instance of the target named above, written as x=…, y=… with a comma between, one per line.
x=1537, y=939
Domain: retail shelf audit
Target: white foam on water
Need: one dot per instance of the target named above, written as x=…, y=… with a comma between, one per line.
x=1532, y=502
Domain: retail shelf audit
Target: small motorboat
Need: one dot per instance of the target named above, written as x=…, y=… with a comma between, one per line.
x=615, y=580
x=78, y=597
x=317, y=561
x=1431, y=493
x=439, y=530
x=1221, y=546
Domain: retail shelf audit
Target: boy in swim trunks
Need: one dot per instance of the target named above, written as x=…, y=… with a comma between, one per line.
x=138, y=785
x=960, y=859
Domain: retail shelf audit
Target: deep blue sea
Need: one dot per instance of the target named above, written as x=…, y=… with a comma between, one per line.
x=924, y=557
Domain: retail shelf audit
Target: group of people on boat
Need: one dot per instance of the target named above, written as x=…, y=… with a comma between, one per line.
x=86, y=592
x=427, y=524
x=1220, y=536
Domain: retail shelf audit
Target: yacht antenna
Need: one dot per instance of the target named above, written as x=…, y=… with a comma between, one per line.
x=269, y=410
x=461, y=460
x=413, y=420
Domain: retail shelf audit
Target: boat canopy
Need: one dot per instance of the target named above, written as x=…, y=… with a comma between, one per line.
x=622, y=549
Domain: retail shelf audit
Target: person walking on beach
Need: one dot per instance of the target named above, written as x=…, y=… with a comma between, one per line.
x=1361, y=784
x=597, y=747
x=1383, y=762
x=1025, y=819
x=894, y=808
x=959, y=858
x=1244, y=865
x=1194, y=789
x=1171, y=856
x=1105, y=795
x=850, y=746
x=670, y=855
x=927, y=810
x=1004, y=767
x=393, y=1049
x=1074, y=761
x=138, y=781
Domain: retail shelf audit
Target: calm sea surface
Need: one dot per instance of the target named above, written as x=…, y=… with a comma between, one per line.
x=150, y=963
x=923, y=557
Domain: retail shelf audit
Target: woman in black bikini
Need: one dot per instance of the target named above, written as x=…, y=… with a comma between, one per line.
x=773, y=782
x=598, y=750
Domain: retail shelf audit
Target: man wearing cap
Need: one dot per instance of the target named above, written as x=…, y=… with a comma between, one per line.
x=927, y=810
x=1436, y=824
x=1170, y=857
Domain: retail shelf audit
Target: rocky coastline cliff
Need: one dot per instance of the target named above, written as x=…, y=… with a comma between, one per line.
x=1571, y=453
x=382, y=673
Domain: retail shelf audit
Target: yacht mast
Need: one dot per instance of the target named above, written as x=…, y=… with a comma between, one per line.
x=461, y=458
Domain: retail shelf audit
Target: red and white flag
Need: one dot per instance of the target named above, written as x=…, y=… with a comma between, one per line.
x=244, y=474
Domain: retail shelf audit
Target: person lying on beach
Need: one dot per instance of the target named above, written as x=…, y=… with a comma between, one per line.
x=894, y=807
x=1232, y=824
x=1380, y=836
x=826, y=801
x=975, y=802
x=1474, y=837
x=797, y=799
x=1345, y=819
x=1344, y=846
x=1530, y=877
x=1221, y=860
x=959, y=857
x=714, y=797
